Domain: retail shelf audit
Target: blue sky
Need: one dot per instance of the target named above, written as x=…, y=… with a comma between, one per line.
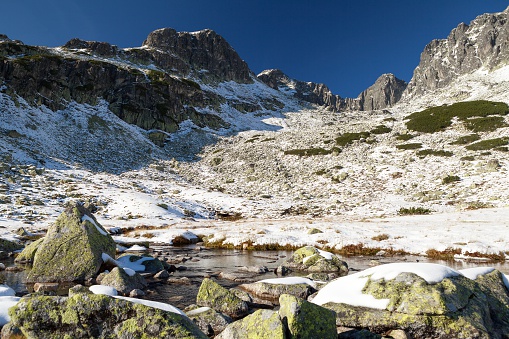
x=344, y=44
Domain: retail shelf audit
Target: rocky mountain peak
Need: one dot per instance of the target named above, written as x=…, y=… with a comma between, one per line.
x=484, y=44
x=203, y=51
x=385, y=92
x=96, y=47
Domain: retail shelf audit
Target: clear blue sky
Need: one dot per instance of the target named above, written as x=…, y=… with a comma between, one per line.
x=345, y=44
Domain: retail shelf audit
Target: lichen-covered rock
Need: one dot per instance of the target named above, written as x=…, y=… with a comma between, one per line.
x=311, y=259
x=306, y=320
x=260, y=324
x=97, y=316
x=72, y=249
x=272, y=291
x=28, y=253
x=208, y=320
x=455, y=307
x=123, y=282
x=213, y=295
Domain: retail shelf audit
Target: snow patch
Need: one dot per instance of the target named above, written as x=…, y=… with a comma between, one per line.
x=473, y=273
x=5, y=304
x=102, y=289
x=289, y=281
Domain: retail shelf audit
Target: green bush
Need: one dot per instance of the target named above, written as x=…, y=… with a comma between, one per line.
x=439, y=153
x=306, y=152
x=450, y=178
x=467, y=139
x=487, y=124
x=435, y=119
x=348, y=138
x=488, y=144
x=414, y=211
x=381, y=129
x=416, y=145
x=404, y=137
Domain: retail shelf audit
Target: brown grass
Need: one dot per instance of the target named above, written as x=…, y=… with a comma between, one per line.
x=447, y=254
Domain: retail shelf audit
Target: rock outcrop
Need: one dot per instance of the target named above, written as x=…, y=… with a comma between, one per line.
x=96, y=316
x=313, y=260
x=72, y=249
x=385, y=92
x=213, y=295
x=484, y=44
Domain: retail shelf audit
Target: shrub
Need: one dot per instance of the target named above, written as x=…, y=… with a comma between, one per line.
x=416, y=145
x=404, y=137
x=467, y=139
x=381, y=129
x=487, y=124
x=311, y=151
x=348, y=138
x=414, y=211
x=439, y=153
x=435, y=119
x=450, y=178
x=488, y=144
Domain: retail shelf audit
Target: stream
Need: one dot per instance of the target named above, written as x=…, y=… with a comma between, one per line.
x=196, y=263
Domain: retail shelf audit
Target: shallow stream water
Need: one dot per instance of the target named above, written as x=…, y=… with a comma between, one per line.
x=183, y=287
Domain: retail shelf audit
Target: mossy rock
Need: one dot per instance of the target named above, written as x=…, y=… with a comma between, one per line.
x=213, y=295
x=310, y=259
x=72, y=249
x=122, y=282
x=306, y=320
x=260, y=324
x=456, y=307
x=97, y=316
x=28, y=253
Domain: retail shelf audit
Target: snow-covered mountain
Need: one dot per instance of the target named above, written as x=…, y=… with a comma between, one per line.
x=181, y=128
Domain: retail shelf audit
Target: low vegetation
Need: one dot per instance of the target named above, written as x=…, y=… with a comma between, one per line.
x=450, y=178
x=414, y=211
x=348, y=138
x=436, y=119
x=439, y=153
x=409, y=146
x=467, y=139
x=404, y=137
x=381, y=129
x=306, y=152
x=489, y=144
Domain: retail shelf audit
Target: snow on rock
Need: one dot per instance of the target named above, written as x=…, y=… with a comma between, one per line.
x=92, y=221
x=154, y=304
x=5, y=304
x=101, y=289
x=474, y=272
x=348, y=290
x=289, y=281
x=137, y=248
x=125, y=263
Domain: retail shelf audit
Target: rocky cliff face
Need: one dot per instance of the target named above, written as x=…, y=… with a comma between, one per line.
x=484, y=44
x=151, y=86
x=385, y=92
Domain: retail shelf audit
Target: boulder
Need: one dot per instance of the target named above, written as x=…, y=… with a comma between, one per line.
x=28, y=253
x=260, y=324
x=213, y=295
x=208, y=320
x=9, y=246
x=97, y=316
x=311, y=259
x=272, y=289
x=124, y=282
x=72, y=249
x=306, y=320
x=424, y=300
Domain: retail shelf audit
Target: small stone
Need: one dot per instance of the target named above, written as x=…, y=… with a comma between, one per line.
x=2, y=267
x=136, y=293
x=45, y=287
x=162, y=275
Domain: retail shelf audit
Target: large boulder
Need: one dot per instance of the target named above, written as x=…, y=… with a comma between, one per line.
x=213, y=295
x=424, y=300
x=72, y=249
x=260, y=324
x=311, y=259
x=97, y=316
x=124, y=281
x=306, y=320
x=271, y=289
x=7, y=246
